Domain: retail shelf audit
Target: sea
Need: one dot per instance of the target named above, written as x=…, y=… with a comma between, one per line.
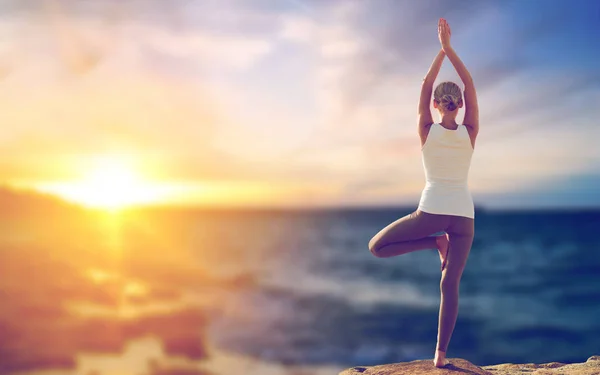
x=530, y=291
x=297, y=292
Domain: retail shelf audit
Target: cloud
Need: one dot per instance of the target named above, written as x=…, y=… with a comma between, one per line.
x=400, y=44
x=151, y=111
x=235, y=51
x=296, y=28
x=545, y=99
x=391, y=40
x=83, y=35
x=136, y=114
x=362, y=61
x=300, y=91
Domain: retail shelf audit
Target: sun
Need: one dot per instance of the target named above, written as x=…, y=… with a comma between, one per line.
x=109, y=182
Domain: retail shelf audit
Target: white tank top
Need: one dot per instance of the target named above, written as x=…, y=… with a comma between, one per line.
x=447, y=159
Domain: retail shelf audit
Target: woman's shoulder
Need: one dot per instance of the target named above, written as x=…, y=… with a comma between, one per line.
x=472, y=132
x=424, y=132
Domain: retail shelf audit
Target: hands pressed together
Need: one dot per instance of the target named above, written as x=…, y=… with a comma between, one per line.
x=444, y=33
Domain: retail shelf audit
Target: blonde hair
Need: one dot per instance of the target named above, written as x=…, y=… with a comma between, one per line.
x=448, y=95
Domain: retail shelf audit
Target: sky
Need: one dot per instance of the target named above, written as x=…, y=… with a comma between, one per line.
x=297, y=102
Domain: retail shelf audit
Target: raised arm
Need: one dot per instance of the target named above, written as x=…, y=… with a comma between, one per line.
x=471, y=107
x=425, y=119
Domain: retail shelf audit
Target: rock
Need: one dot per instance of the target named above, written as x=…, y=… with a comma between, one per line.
x=422, y=367
x=590, y=367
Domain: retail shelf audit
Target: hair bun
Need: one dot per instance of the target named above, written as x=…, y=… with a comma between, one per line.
x=448, y=96
x=450, y=102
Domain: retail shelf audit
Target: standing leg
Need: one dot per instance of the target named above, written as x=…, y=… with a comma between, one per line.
x=461, y=232
x=409, y=233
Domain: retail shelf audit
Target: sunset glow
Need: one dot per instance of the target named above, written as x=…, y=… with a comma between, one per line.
x=111, y=182
x=292, y=103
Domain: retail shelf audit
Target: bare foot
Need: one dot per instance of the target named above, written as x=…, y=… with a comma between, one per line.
x=442, y=244
x=440, y=359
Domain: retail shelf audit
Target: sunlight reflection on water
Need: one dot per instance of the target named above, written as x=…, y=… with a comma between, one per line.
x=147, y=352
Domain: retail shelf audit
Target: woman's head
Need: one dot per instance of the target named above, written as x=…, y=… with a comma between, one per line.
x=447, y=97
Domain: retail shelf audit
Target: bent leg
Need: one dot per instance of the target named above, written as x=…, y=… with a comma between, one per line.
x=409, y=233
x=461, y=233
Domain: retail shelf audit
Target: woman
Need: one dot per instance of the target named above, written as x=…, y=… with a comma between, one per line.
x=446, y=204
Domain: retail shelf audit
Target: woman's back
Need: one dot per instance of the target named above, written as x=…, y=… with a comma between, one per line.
x=447, y=157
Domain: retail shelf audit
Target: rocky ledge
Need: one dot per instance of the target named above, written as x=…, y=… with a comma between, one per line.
x=458, y=365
